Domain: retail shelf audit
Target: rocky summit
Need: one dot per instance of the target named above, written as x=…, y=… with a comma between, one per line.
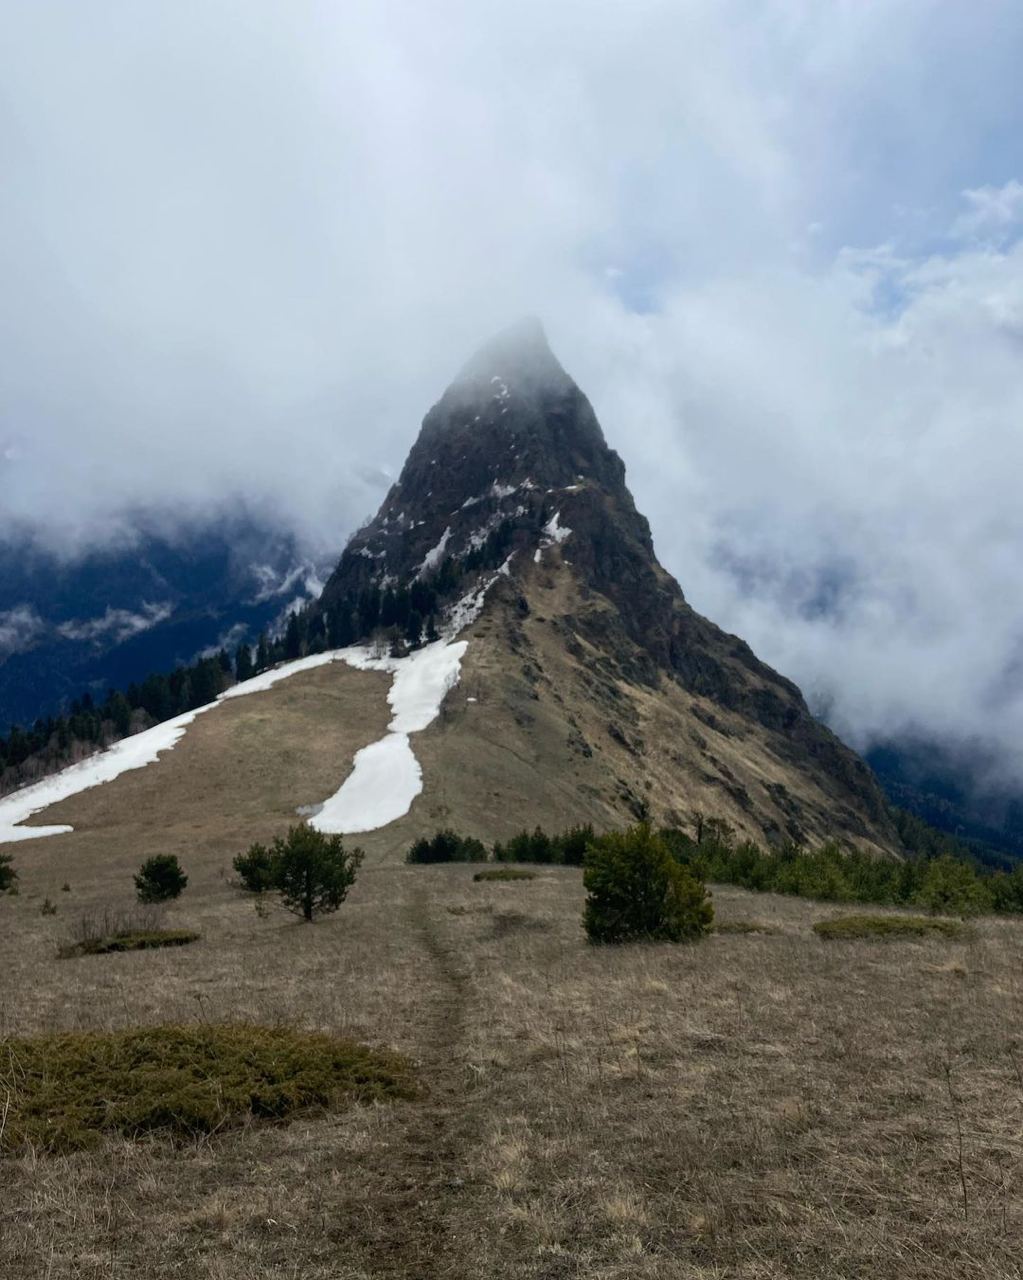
x=590, y=689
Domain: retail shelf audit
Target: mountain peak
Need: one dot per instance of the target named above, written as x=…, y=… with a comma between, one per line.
x=511, y=492
x=521, y=353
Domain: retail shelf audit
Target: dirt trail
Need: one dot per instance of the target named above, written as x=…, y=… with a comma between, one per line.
x=429, y=1179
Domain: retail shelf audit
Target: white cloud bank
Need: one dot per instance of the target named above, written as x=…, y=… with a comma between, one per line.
x=244, y=248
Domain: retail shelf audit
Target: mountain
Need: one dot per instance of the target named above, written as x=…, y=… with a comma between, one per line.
x=157, y=597
x=957, y=787
x=523, y=658
x=597, y=692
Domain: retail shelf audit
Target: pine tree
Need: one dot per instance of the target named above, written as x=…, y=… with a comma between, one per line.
x=293, y=637
x=414, y=627
x=343, y=632
x=262, y=652
x=118, y=710
x=243, y=668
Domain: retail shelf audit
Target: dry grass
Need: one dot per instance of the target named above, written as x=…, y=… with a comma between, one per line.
x=758, y=1105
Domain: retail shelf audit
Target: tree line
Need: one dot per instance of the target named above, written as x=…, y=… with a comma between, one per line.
x=934, y=876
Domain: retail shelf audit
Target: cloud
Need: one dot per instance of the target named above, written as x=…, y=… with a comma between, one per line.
x=993, y=211
x=116, y=625
x=244, y=249
x=20, y=628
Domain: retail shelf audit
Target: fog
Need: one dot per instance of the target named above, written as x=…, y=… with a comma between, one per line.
x=244, y=246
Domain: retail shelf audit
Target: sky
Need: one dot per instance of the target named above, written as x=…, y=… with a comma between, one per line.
x=245, y=245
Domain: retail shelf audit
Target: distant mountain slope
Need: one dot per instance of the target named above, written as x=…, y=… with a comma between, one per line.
x=951, y=787
x=112, y=616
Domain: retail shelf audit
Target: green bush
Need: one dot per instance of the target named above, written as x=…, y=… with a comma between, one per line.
x=568, y=848
x=68, y=1091
x=887, y=927
x=7, y=873
x=573, y=844
x=952, y=888
x=505, y=873
x=637, y=890
x=255, y=869
x=1006, y=889
x=447, y=846
x=528, y=846
x=160, y=879
x=312, y=871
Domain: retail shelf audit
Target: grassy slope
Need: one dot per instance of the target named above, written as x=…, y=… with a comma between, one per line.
x=554, y=734
x=238, y=775
x=761, y=1105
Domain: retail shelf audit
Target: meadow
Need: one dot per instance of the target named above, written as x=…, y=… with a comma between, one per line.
x=764, y=1103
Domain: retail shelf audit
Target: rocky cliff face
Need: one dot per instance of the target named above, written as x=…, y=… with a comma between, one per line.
x=650, y=708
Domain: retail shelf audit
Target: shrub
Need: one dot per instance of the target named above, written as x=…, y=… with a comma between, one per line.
x=447, y=846
x=1006, y=890
x=573, y=844
x=90, y=932
x=7, y=873
x=142, y=940
x=48, y=908
x=505, y=873
x=528, y=846
x=951, y=887
x=637, y=890
x=68, y=1091
x=312, y=871
x=255, y=869
x=160, y=879
x=887, y=927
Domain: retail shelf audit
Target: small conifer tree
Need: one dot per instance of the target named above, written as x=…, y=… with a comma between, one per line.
x=638, y=891
x=160, y=879
x=312, y=871
x=255, y=868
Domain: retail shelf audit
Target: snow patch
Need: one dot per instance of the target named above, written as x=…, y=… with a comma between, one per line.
x=386, y=776
x=434, y=556
x=554, y=531
x=537, y=556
